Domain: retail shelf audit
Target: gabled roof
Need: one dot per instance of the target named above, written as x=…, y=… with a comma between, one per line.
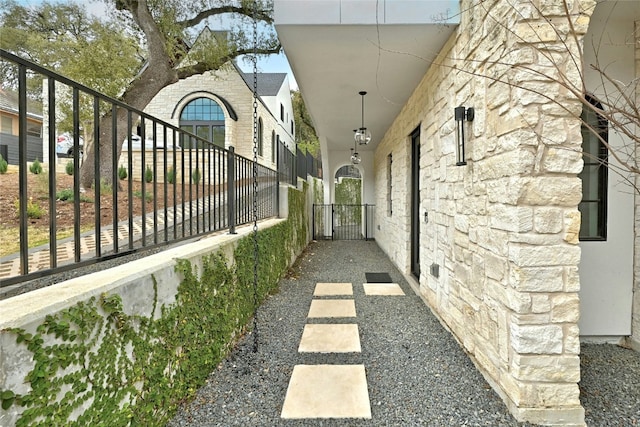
x=269, y=84
x=9, y=102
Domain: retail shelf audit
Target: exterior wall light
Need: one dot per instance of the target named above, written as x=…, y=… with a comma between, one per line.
x=362, y=135
x=460, y=114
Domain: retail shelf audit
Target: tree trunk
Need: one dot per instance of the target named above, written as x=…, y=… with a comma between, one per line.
x=138, y=95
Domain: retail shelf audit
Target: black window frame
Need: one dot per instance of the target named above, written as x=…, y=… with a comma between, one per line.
x=260, y=137
x=211, y=124
x=595, y=163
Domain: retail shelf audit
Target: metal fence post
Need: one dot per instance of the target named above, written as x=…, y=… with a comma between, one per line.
x=231, y=190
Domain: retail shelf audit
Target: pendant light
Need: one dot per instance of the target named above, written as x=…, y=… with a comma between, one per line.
x=362, y=135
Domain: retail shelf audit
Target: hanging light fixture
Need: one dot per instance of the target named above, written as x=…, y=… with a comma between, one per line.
x=362, y=135
x=355, y=157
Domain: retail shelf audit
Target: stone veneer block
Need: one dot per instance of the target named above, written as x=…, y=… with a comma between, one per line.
x=330, y=338
x=327, y=391
x=332, y=308
x=332, y=289
x=390, y=289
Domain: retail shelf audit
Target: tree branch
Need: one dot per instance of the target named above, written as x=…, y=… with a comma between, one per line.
x=201, y=67
x=260, y=15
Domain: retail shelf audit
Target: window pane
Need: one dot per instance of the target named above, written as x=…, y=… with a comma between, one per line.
x=591, y=182
x=7, y=125
x=218, y=136
x=202, y=109
x=34, y=129
x=184, y=139
x=589, y=225
x=203, y=132
x=594, y=174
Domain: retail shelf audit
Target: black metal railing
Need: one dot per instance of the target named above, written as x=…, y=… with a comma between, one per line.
x=306, y=165
x=343, y=222
x=172, y=186
x=286, y=162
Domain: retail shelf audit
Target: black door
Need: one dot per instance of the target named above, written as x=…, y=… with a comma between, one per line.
x=415, y=203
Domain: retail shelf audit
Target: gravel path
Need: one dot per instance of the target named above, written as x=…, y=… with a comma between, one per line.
x=416, y=372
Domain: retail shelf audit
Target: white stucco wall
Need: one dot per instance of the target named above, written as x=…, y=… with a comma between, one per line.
x=606, y=268
x=273, y=104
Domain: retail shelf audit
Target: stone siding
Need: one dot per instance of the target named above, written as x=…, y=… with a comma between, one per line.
x=504, y=228
x=228, y=84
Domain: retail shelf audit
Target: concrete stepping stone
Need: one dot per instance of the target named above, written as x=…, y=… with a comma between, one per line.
x=332, y=289
x=330, y=338
x=327, y=391
x=389, y=289
x=332, y=308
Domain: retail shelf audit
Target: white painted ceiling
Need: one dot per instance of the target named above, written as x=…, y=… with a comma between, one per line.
x=334, y=61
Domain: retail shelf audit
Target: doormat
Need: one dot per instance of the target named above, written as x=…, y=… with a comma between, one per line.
x=378, y=277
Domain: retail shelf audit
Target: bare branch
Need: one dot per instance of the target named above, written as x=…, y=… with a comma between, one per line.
x=202, y=67
x=260, y=15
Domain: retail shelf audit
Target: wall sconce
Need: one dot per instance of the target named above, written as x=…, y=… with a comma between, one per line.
x=362, y=135
x=460, y=114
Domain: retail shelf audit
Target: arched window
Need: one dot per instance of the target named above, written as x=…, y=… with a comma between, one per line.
x=594, y=175
x=260, y=138
x=205, y=118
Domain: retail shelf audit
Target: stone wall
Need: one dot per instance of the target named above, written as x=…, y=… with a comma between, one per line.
x=228, y=84
x=504, y=228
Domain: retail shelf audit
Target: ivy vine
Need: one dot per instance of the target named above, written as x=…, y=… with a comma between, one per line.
x=96, y=365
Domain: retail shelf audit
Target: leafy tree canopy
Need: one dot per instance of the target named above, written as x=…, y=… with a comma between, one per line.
x=306, y=137
x=107, y=54
x=65, y=38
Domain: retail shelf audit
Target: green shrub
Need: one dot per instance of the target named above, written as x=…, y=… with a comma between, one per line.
x=147, y=196
x=36, y=167
x=3, y=165
x=122, y=173
x=66, y=195
x=171, y=175
x=148, y=174
x=34, y=210
x=68, y=168
x=195, y=176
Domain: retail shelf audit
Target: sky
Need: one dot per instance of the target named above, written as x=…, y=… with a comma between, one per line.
x=270, y=64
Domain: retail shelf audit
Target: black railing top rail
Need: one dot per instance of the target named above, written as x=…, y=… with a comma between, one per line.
x=69, y=82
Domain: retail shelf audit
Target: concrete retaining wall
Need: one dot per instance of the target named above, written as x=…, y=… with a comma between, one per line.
x=145, y=286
